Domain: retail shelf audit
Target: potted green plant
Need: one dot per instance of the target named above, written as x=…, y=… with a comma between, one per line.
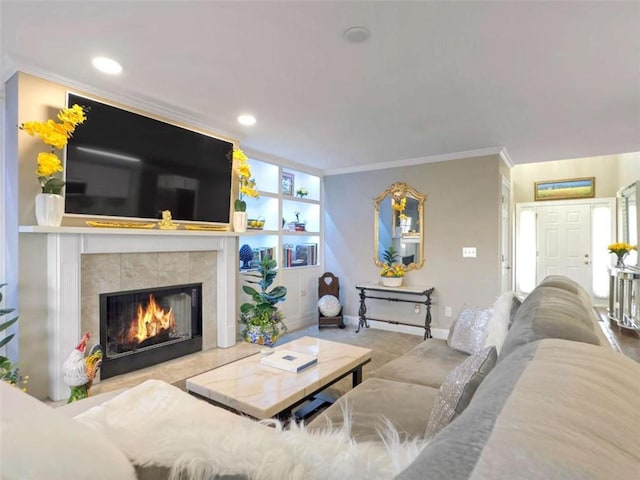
x=9, y=372
x=261, y=320
x=393, y=271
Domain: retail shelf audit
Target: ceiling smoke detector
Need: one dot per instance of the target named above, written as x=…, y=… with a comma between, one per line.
x=356, y=34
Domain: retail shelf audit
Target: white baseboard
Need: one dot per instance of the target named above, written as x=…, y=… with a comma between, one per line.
x=441, y=333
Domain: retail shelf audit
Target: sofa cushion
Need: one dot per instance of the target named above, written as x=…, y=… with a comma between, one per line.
x=458, y=389
x=428, y=364
x=469, y=331
x=374, y=402
x=550, y=312
x=501, y=319
x=552, y=409
x=37, y=442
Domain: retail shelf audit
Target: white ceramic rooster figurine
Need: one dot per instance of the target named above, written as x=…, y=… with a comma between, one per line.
x=78, y=372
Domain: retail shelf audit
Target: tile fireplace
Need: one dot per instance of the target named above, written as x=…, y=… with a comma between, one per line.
x=70, y=306
x=140, y=328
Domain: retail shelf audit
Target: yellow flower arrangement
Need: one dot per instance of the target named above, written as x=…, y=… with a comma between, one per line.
x=56, y=135
x=247, y=184
x=399, y=204
x=391, y=267
x=621, y=250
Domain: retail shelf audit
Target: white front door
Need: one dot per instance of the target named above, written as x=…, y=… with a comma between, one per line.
x=564, y=242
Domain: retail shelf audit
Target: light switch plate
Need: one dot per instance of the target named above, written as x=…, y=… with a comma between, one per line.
x=469, y=252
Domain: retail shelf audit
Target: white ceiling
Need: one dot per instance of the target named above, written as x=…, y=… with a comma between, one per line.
x=548, y=81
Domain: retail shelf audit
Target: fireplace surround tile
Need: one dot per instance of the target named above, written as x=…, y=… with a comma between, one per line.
x=103, y=273
x=100, y=273
x=139, y=270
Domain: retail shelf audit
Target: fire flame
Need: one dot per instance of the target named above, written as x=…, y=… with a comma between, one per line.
x=151, y=321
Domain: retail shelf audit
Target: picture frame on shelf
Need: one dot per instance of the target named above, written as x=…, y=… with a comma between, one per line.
x=565, y=189
x=287, y=183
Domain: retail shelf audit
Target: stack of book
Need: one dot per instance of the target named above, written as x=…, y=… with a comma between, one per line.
x=288, y=360
x=300, y=255
x=260, y=253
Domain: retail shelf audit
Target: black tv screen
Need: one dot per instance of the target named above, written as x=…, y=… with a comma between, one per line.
x=122, y=164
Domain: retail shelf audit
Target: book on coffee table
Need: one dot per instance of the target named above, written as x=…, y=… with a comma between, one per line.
x=289, y=360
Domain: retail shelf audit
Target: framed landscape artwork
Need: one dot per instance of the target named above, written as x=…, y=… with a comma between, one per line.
x=287, y=183
x=565, y=189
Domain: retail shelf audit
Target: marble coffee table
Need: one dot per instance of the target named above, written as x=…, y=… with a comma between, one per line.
x=248, y=387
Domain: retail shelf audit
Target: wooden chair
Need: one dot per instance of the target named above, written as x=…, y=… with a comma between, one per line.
x=329, y=284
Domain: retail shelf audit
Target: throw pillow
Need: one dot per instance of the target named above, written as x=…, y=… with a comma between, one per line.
x=500, y=321
x=469, y=331
x=458, y=388
x=39, y=442
x=329, y=305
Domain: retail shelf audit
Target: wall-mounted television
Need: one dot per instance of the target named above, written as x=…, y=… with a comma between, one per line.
x=123, y=164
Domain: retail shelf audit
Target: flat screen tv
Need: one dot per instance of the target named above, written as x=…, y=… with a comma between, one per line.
x=122, y=164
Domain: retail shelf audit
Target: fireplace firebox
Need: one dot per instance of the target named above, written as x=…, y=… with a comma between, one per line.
x=140, y=328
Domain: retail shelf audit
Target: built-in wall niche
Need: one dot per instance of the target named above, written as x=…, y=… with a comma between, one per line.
x=260, y=246
x=265, y=208
x=301, y=211
x=266, y=176
x=301, y=180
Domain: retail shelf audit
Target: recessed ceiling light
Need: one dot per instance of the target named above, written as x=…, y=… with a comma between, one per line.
x=356, y=34
x=247, y=119
x=107, y=65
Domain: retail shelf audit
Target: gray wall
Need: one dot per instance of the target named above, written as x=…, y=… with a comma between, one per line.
x=462, y=210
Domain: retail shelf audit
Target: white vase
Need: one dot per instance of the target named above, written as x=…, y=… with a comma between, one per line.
x=391, y=281
x=239, y=221
x=49, y=209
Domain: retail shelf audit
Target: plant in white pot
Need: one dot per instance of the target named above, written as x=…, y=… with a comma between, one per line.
x=49, y=204
x=247, y=188
x=392, y=271
x=261, y=320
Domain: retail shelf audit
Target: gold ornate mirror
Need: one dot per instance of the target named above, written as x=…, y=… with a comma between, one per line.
x=399, y=222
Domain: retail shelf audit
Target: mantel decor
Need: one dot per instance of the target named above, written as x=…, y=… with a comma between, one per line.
x=565, y=189
x=49, y=205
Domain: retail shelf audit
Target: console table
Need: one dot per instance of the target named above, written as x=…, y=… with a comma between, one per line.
x=380, y=292
x=624, y=289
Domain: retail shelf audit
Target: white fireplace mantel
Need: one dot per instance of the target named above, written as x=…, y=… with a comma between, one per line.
x=63, y=247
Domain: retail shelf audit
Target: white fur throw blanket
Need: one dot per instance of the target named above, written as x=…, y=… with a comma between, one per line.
x=158, y=424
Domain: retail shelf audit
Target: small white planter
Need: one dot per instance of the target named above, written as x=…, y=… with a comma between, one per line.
x=391, y=281
x=239, y=221
x=49, y=209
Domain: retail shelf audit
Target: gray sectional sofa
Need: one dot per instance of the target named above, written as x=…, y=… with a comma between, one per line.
x=559, y=403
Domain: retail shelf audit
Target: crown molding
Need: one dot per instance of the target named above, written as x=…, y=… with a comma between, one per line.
x=481, y=152
x=504, y=155
x=137, y=101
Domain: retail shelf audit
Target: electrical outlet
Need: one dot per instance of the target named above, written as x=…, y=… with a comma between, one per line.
x=303, y=293
x=416, y=308
x=448, y=312
x=469, y=252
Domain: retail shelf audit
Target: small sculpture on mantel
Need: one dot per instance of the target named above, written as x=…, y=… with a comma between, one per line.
x=167, y=223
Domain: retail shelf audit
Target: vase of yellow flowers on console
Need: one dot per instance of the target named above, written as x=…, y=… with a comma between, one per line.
x=392, y=272
x=49, y=204
x=247, y=188
x=621, y=250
